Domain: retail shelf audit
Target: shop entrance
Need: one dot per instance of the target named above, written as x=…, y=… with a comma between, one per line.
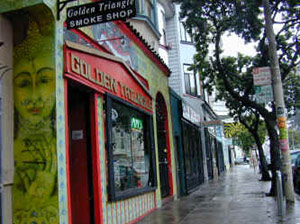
x=209, y=157
x=161, y=124
x=80, y=156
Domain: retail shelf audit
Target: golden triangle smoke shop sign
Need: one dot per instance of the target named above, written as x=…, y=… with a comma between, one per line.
x=99, y=12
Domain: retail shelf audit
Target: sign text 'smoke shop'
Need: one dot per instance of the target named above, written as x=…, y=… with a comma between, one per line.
x=100, y=12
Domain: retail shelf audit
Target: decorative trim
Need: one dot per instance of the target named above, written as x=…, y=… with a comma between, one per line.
x=135, y=36
x=110, y=57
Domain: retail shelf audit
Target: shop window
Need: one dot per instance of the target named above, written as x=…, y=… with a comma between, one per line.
x=130, y=151
x=190, y=81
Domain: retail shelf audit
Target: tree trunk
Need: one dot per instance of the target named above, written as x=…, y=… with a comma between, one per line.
x=265, y=176
x=280, y=106
x=274, y=153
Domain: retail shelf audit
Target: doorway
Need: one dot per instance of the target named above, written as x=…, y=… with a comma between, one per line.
x=162, y=135
x=209, y=156
x=80, y=156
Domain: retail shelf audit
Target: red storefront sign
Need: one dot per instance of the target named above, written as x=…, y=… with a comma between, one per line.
x=105, y=73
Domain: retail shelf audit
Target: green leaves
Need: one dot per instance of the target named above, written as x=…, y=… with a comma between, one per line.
x=232, y=77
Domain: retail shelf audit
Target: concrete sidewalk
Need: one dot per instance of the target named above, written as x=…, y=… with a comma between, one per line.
x=235, y=198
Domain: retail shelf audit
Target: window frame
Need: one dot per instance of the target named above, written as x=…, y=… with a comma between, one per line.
x=185, y=37
x=194, y=75
x=142, y=10
x=114, y=195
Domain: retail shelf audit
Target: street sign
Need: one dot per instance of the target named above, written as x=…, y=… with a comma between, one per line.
x=99, y=12
x=262, y=76
x=263, y=94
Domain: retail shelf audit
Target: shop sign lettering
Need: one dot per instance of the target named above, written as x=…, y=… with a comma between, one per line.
x=189, y=114
x=136, y=123
x=82, y=68
x=99, y=12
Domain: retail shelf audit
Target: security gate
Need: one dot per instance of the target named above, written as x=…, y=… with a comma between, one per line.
x=162, y=148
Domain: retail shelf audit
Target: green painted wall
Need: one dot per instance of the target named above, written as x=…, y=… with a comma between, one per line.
x=35, y=192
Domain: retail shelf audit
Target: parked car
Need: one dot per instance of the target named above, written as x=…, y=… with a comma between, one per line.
x=296, y=174
x=294, y=154
x=240, y=161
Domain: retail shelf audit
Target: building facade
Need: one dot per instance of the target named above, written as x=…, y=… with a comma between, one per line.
x=86, y=131
x=198, y=156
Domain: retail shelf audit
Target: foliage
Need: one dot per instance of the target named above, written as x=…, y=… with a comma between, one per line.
x=210, y=20
x=244, y=138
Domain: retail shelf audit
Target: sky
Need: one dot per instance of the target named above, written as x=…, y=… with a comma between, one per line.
x=233, y=45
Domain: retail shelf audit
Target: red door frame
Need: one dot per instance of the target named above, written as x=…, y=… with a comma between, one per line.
x=67, y=150
x=98, y=211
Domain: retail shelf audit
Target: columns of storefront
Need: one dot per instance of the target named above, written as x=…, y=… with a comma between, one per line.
x=6, y=118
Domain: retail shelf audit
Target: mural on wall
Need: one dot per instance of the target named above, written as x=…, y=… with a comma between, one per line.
x=35, y=197
x=111, y=37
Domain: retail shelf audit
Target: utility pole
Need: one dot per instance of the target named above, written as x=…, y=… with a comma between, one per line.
x=280, y=107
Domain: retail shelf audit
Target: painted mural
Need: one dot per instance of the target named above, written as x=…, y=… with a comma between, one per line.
x=111, y=37
x=35, y=197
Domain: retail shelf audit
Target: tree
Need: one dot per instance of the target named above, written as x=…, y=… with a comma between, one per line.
x=254, y=130
x=232, y=77
x=257, y=131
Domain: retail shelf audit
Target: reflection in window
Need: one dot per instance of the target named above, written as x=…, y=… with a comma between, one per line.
x=131, y=148
x=146, y=8
x=190, y=81
x=184, y=35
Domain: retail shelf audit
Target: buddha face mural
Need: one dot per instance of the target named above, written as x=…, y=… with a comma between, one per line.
x=34, y=88
x=34, y=79
x=35, y=197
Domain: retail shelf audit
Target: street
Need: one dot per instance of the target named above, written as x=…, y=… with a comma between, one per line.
x=236, y=197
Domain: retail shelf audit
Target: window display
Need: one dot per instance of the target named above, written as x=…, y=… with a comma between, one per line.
x=130, y=149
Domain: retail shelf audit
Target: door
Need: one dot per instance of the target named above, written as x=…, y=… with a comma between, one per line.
x=162, y=147
x=178, y=170
x=209, y=160
x=229, y=156
x=80, y=157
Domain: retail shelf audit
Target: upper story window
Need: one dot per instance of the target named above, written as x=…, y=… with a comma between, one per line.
x=146, y=8
x=163, y=39
x=184, y=35
x=190, y=80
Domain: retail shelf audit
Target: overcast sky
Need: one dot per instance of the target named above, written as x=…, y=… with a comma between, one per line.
x=233, y=45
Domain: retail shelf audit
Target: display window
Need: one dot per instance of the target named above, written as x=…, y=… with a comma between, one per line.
x=130, y=150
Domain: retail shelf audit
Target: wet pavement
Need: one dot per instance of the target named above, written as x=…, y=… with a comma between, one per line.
x=237, y=197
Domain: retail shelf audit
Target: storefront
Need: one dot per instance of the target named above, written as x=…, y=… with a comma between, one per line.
x=176, y=104
x=188, y=147
x=214, y=149
x=192, y=148
x=101, y=84
x=92, y=119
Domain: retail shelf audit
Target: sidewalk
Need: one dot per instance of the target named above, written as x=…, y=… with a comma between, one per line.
x=235, y=198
